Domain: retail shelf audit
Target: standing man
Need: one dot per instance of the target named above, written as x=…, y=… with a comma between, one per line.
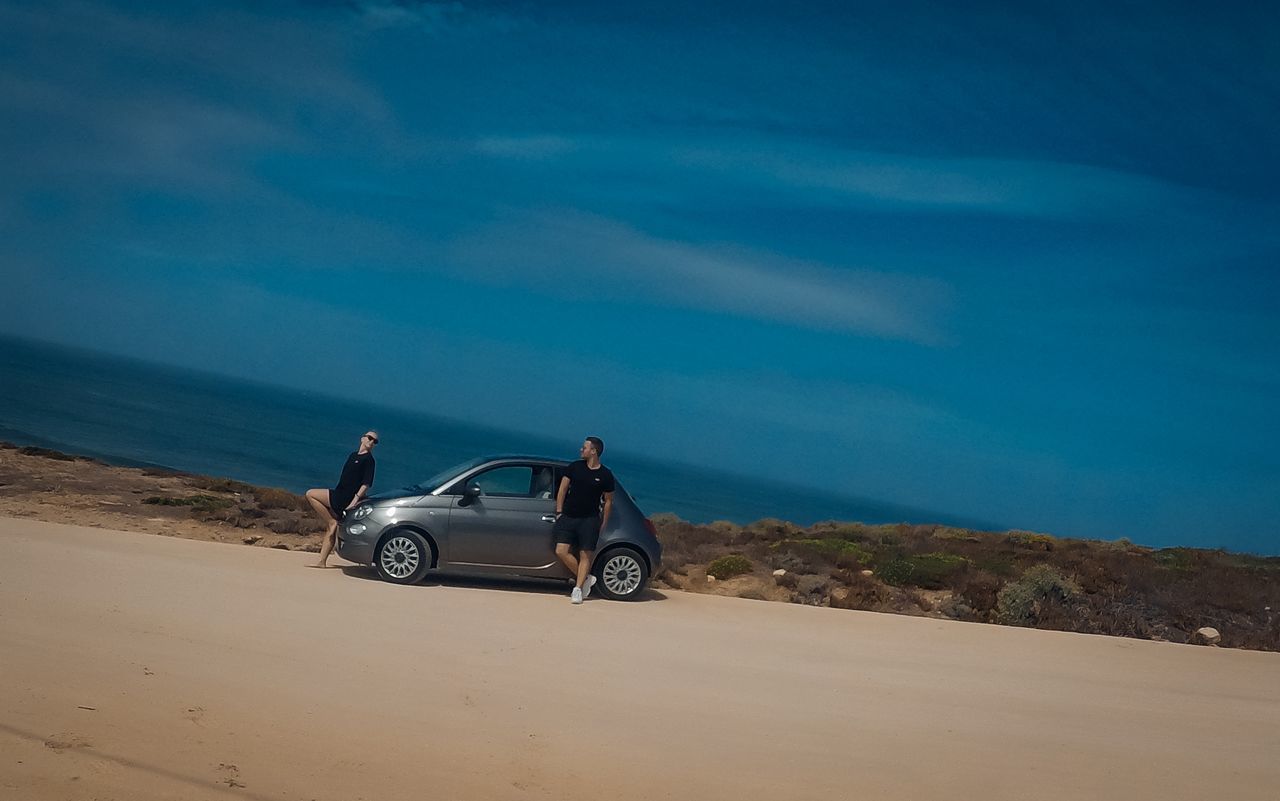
x=579, y=515
x=353, y=485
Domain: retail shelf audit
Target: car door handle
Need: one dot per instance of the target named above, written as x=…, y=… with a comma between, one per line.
x=548, y=518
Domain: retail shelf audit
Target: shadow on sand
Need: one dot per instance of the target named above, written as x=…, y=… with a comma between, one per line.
x=507, y=583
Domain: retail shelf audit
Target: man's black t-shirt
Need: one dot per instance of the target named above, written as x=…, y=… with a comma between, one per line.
x=357, y=472
x=586, y=487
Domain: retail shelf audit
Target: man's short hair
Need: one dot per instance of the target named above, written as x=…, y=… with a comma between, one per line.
x=598, y=444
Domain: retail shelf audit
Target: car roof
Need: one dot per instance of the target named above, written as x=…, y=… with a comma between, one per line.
x=482, y=462
x=521, y=458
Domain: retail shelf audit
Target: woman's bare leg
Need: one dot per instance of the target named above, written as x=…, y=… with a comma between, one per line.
x=319, y=500
x=326, y=547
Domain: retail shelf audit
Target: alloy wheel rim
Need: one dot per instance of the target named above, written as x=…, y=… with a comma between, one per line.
x=400, y=557
x=621, y=574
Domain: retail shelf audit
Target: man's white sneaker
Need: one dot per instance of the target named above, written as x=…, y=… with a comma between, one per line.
x=576, y=597
x=586, y=588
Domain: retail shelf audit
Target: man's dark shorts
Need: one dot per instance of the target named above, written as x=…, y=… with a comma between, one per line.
x=584, y=532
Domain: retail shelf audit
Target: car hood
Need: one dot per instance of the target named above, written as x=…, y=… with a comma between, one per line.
x=391, y=495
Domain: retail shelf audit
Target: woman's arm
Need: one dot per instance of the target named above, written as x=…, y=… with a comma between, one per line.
x=360, y=493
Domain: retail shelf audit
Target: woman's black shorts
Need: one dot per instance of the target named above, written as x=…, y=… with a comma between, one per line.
x=339, y=500
x=583, y=532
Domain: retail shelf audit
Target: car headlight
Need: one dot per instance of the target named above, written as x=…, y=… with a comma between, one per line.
x=355, y=529
x=362, y=512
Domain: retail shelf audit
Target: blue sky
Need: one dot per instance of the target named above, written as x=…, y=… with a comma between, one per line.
x=1017, y=262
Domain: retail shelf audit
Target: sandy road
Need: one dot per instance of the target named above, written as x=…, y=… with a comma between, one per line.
x=217, y=671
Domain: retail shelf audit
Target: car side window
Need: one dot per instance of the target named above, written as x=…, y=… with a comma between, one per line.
x=507, y=482
x=544, y=483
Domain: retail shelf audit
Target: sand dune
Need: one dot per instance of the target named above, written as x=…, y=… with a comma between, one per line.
x=142, y=667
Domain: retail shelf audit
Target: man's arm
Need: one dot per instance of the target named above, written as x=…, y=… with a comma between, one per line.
x=560, y=493
x=608, y=507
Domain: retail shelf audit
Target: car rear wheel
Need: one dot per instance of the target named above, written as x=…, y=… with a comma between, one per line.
x=402, y=558
x=621, y=574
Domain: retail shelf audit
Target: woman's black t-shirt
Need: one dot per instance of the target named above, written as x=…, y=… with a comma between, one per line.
x=357, y=472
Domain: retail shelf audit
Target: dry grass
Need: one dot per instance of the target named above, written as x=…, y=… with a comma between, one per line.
x=235, y=503
x=272, y=498
x=1113, y=588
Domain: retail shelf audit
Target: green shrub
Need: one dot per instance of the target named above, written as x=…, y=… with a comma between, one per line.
x=896, y=572
x=833, y=547
x=190, y=500
x=933, y=571
x=1020, y=602
x=219, y=484
x=1028, y=539
x=997, y=564
x=888, y=535
x=198, y=503
x=770, y=528
x=664, y=518
x=960, y=534
x=207, y=503
x=930, y=571
x=729, y=566
x=1180, y=559
x=853, y=532
x=47, y=453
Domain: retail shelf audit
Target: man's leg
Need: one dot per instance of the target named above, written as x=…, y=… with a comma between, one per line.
x=584, y=566
x=565, y=555
x=588, y=538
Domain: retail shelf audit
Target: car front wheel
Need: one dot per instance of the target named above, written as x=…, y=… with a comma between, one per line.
x=621, y=574
x=402, y=558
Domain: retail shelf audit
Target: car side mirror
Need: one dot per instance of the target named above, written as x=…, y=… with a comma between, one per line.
x=469, y=495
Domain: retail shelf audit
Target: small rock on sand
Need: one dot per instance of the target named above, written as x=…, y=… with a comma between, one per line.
x=779, y=573
x=868, y=572
x=252, y=539
x=1208, y=635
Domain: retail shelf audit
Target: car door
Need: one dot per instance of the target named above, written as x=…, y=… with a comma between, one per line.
x=509, y=523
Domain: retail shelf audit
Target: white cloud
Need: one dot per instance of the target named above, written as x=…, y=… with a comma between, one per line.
x=533, y=147
x=998, y=186
x=432, y=15
x=571, y=252
x=838, y=176
x=428, y=14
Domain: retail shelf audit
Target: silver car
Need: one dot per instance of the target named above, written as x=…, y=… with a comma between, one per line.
x=493, y=516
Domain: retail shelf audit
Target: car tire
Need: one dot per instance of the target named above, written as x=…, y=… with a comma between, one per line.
x=402, y=557
x=621, y=574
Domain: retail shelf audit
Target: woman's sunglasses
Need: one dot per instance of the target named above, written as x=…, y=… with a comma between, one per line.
x=374, y=440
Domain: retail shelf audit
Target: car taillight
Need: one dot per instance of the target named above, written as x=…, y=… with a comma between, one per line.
x=649, y=525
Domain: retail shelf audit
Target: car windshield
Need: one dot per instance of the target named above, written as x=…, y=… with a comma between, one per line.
x=433, y=483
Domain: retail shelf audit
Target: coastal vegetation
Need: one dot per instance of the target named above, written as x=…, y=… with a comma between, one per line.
x=1016, y=578
x=726, y=567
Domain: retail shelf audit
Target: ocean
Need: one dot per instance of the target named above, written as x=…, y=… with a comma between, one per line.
x=134, y=413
